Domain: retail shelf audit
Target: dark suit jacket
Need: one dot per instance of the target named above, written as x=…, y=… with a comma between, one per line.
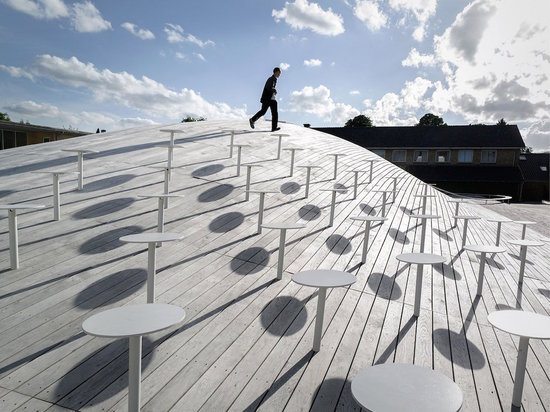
x=269, y=89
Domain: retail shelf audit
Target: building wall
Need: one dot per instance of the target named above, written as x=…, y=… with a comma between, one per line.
x=505, y=157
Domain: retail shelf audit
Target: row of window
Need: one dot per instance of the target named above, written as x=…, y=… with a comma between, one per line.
x=441, y=156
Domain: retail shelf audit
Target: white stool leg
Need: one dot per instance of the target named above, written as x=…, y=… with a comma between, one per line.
x=499, y=224
x=424, y=203
x=166, y=185
x=80, y=171
x=456, y=213
x=355, y=184
x=335, y=167
x=279, y=147
x=383, y=204
x=332, y=207
x=308, y=177
x=134, y=374
x=239, y=151
x=481, y=273
x=394, y=189
x=14, y=242
x=248, y=172
x=281, y=254
x=523, y=258
x=523, y=231
x=370, y=174
x=321, y=297
x=232, y=139
x=151, y=269
x=519, y=377
x=261, y=212
x=56, y=200
x=418, y=291
x=365, y=241
x=292, y=153
x=424, y=223
x=465, y=232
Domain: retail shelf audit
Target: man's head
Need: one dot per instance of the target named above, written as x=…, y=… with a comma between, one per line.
x=276, y=72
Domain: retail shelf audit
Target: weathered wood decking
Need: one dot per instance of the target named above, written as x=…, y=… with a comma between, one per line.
x=246, y=341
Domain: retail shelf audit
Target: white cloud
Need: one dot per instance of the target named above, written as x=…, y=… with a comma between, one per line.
x=40, y=9
x=86, y=18
x=174, y=34
x=423, y=10
x=16, y=72
x=368, y=12
x=415, y=59
x=313, y=63
x=144, y=94
x=143, y=34
x=537, y=135
x=200, y=56
x=284, y=66
x=302, y=15
x=354, y=92
x=318, y=102
x=180, y=55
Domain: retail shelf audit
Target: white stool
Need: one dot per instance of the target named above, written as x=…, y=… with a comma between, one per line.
x=172, y=133
x=280, y=135
x=356, y=180
x=424, y=198
x=170, y=159
x=394, y=191
x=524, y=223
x=239, y=151
x=12, y=227
x=524, y=244
x=167, y=172
x=322, y=279
x=336, y=162
x=262, y=193
x=133, y=321
x=55, y=186
x=308, y=176
x=80, y=153
x=483, y=250
x=371, y=167
x=333, y=202
x=231, y=140
x=367, y=220
x=424, y=221
x=499, y=221
x=162, y=199
x=292, y=150
x=151, y=239
x=457, y=203
x=249, y=167
x=419, y=259
x=466, y=219
x=283, y=227
x=384, y=200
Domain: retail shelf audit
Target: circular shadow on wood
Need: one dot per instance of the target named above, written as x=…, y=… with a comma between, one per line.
x=338, y=244
x=369, y=210
x=110, y=366
x=290, y=188
x=309, y=212
x=284, y=316
x=207, y=170
x=249, y=261
x=216, y=193
x=341, y=187
x=448, y=271
x=112, y=288
x=399, y=236
x=104, y=208
x=107, y=241
x=107, y=182
x=326, y=399
x=226, y=222
x=460, y=350
x=384, y=286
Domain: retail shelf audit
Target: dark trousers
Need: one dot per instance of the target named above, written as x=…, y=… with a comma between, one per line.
x=272, y=104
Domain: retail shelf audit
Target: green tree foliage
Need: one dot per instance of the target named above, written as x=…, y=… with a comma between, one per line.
x=430, y=119
x=359, y=121
x=5, y=117
x=192, y=119
x=501, y=122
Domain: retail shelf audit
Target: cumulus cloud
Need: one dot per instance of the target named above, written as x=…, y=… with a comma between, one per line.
x=416, y=59
x=16, y=72
x=86, y=18
x=317, y=101
x=538, y=135
x=368, y=12
x=143, y=34
x=174, y=34
x=284, y=66
x=40, y=9
x=302, y=15
x=313, y=63
x=422, y=10
x=144, y=94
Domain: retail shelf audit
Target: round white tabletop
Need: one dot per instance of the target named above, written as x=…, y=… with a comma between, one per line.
x=524, y=222
x=383, y=191
x=457, y=201
x=293, y=148
x=172, y=130
x=151, y=237
x=404, y=387
x=133, y=320
x=500, y=220
x=337, y=154
x=521, y=323
x=485, y=248
x=280, y=134
x=420, y=258
x=335, y=190
x=424, y=216
x=163, y=195
x=421, y=195
x=324, y=278
x=282, y=225
x=310, y=166
x=467, y=217
x=369, y=218
x=263, y=191
x=525, y=242
x=21, y=206
x=76, y=150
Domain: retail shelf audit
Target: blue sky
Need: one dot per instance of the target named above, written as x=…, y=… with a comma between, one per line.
x=119, y=64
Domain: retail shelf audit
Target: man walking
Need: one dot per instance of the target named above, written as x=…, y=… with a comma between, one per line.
x=269, y=100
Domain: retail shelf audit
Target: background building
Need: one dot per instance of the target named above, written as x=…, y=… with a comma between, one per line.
x=14, y=134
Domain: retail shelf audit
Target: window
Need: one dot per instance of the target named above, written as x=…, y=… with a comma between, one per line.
x=488, y=156
x=420, y=156
x=442, y=156
x=381, y=153
x=45, y=139
x=399, y=156
x=544, y=168
x=465, y=156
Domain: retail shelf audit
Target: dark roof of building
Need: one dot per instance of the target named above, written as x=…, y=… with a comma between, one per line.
x=452, y=173
x=27, y=127
x=476, y=136
x=535, y=166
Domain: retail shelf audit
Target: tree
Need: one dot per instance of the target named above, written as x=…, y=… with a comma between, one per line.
x=526, y=149
x=5, y=117
x=501, y=122
x=192, y=119
x=430, y=119
x=359, y=121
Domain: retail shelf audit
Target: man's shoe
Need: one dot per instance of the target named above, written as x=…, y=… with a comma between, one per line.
x=277, y=128
x=251, y=123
